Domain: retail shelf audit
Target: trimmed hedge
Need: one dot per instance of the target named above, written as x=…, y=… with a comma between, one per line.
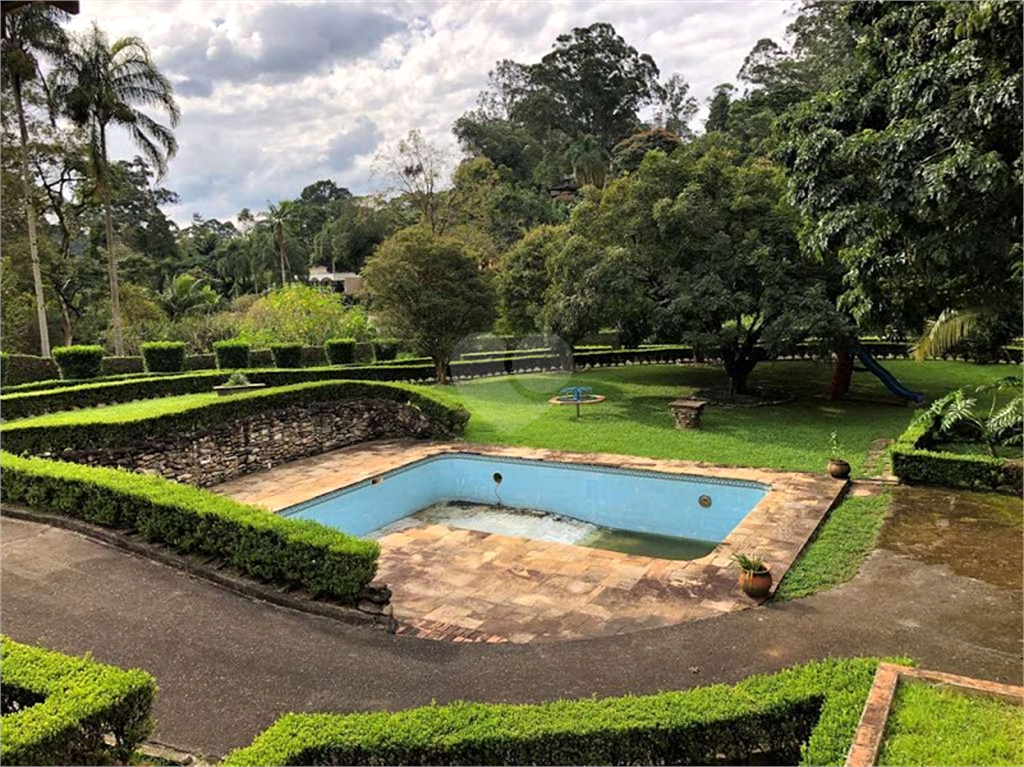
x=120, y=366
x=25, y=368
x=164, y=356
x=231, y=354
x=3, y=368
x=287, y=355
x=385, y=349
x=915, y=464
x=341, y=351
x=59, y=709
x=808, y=712
x=79, y=362
x=55, y=437
x=274, y=549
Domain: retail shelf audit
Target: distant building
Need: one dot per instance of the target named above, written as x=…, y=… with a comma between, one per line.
x=348, y=283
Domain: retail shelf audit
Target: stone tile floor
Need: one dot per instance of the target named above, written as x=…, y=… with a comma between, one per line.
x=464, y=585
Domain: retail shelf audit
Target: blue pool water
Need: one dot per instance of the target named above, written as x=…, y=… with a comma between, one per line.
x=645, y=502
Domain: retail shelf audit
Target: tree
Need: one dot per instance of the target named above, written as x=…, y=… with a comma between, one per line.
x=98, y=85
x=280, y=220
x=522, y=279
x=575, y=298
x=416, y=166
x=589, y=161
x=718, y=108
x=676, y=107
x=629, y=153
x=29, y=33
x=187, y=294
x=911, y=173
x=425, y=289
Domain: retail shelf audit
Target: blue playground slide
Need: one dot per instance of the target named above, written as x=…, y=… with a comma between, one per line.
x=887, y=378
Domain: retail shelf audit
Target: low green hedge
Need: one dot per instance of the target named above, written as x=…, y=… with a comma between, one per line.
x=287, y=355
x=915, y=464
x=385, y=349
x=57, y=709
x=275, y=549
x=809, y=711
x=341, y=351
x=79, y=362
x=54, y=437
x=231, y=354
x=164, y=356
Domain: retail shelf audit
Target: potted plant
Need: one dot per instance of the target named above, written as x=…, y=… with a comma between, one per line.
x=837, y=467
x=755, y=575
x=236, y=383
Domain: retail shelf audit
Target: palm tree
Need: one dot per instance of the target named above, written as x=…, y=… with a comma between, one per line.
x=29, y=33
x=280, y=218
x=98, y=85
x=589, y=161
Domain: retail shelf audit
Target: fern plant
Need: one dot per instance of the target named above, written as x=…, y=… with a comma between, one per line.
x=955, y=416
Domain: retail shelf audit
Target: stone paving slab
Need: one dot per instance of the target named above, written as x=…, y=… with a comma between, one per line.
x=466, y=585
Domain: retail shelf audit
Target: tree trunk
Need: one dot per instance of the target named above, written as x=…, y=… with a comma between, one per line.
x=842, y=375
x=65, y=317
x=738, y=367
x=115, y=296
x=441, y=369
x=30, y=216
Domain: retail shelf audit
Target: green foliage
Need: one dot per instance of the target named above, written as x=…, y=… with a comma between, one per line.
x=78, y=362
x=930, y=724
x=428, y=291
x=164, y=356
x=186, y=295
x=264, y=546
x=522, y=278
x=341, y=351
x=914, y=463
x=839, y=547
x=300, y=314
x=59, y=709
x=287, y=355
x=749, y=564
x=629, y=153
x=4, y=356
x=775, y=714
x=954, y=417
x=385, y=349
x=237, y=379
x=232, y=354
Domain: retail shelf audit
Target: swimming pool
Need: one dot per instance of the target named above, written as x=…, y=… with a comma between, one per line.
x=648, y=502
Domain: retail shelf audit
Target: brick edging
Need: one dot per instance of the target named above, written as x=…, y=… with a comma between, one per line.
x=867, y=742
x=243, y=586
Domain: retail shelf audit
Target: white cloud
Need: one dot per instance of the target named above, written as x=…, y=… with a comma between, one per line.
x=275, y=95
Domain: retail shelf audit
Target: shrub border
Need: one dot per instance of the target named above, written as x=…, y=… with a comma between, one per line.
x=674, y=727
x=914, y=463
x=84, y=701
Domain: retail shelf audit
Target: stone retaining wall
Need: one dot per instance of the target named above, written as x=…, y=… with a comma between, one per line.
x=262, y=440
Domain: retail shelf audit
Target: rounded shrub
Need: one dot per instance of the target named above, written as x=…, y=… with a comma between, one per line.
x=287, y=355
x=231, y=354
x=385, y=349
x=164, y=356
x=79, y=362
x=341, y=351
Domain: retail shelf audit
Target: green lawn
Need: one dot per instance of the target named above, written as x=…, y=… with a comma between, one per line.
x=128, y=411
x=838, y=549
x=929, y=725
x=635, y=419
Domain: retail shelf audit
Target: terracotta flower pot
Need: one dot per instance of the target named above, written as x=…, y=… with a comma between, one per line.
x=838, y=468
x=756, y=585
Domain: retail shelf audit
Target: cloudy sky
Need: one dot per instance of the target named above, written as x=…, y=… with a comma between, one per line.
x=275, y=95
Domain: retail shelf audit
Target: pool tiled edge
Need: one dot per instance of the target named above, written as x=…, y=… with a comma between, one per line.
x=469, y=586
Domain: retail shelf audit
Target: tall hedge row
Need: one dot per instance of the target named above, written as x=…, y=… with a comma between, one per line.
x=279, y=550
x=79, y=362
x=808, y=712
x=57, y=709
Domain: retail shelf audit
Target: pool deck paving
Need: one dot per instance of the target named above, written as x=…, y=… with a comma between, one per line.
x=228, y=666
x=465, y=585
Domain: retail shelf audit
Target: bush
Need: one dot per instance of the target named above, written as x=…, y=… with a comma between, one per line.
x=70, y=431
x=341, y=351
x=270, y=548
x=302, y=314
x=3, y=368
x=79, y=362
x=26, y=368
x=58, y=709
x=164, y=356
x=287, y=355
x=385, y=349
x=231, y=354
x=913, y=463
x=120, y=366
x=818, y=704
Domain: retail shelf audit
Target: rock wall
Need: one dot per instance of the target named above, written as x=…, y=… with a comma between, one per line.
x=263, y=440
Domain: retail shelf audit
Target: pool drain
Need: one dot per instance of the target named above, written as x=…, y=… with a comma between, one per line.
x=705, y=501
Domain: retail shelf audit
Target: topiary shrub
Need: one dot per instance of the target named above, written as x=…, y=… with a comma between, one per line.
x=341, y=351
x=287, y=355
x=116, y=366
x=164, y=356
x=79, y=362
x=3, y=368
x=231, y=354
x=385, y=349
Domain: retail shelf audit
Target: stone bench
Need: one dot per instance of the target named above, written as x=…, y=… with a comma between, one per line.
x=686, y=412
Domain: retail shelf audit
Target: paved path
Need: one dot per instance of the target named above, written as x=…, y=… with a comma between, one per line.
x=228, y=667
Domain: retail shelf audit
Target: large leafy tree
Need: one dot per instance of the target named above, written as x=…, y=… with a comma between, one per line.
x=427, y=289
x=522, y=279
x=30, y=32
x=910, y=173
x=100, y=85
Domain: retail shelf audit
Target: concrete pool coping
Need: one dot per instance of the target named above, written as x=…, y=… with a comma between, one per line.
x=463, y=585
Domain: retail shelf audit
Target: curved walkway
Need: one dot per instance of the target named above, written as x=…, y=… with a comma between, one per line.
x=228, y=667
